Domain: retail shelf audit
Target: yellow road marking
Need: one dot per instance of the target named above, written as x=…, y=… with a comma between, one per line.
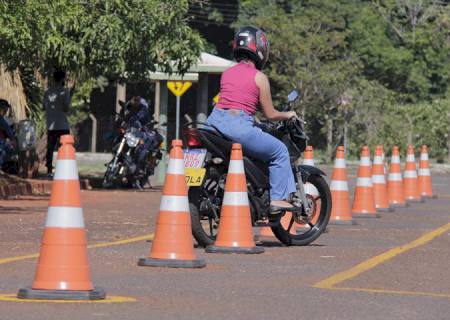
x=332, y=281
x=398, y=292
x=92, y=246
x=121, y=242
x=109, y=299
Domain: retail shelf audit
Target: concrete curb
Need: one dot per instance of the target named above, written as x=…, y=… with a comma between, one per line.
x=33, y=187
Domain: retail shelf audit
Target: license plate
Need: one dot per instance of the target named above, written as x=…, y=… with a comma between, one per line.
x=193, y=163
x=194, y=176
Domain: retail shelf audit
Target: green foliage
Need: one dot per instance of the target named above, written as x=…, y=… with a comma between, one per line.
x=113, y=38
x=92, y=40
x=390, y=59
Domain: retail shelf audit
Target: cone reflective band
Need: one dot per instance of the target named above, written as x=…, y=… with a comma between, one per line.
x=424, y=179
x=395, y=181
x=410, y=182
x=379, y=182
x=308, y=156
x=63, y=270
x=363, y=202
x=235, y=234
x=172, y=245
x=311, y=190
x=340, y=211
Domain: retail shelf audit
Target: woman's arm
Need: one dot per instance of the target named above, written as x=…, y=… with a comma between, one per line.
x=265, y=99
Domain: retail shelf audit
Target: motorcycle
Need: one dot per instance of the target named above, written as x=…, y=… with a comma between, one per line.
x=122, y=170
x=206, y=161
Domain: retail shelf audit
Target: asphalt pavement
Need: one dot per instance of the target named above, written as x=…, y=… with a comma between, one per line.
x=393, y=267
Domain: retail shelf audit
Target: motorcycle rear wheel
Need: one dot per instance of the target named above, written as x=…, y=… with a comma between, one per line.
x=289, y=232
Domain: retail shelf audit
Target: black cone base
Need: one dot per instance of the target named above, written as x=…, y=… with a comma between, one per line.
x=415, y=200
x=39, y=294
x=385, y=209
x=366, y=215
x=399, y=205
x=342, y=222
x=171, y=263
x=241, y=250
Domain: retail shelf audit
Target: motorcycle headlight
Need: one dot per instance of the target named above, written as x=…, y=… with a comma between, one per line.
x=132, y=140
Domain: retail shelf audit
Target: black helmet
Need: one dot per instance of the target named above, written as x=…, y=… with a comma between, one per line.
x=251, y=42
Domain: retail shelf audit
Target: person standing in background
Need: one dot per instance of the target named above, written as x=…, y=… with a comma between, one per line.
x=7, y=138
x=56, y=104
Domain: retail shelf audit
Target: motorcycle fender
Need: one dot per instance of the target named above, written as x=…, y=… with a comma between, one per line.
x=306, y=171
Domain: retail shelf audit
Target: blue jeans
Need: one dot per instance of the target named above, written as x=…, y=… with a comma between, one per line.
x=260, y=145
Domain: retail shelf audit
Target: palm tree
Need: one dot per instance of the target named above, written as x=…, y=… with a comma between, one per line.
x=11, y=89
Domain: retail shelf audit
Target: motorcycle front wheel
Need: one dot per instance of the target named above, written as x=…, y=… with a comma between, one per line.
x=111, y=175
x=290, y=231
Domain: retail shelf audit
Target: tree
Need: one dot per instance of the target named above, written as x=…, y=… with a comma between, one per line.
x=390, y=56
x=113, y=38
x=309, y=51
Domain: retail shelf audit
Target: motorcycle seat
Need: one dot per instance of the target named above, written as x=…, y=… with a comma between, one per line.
x=216, y=141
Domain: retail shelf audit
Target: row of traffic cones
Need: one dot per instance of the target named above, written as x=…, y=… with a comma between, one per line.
x=63, y=271
x=372, y=193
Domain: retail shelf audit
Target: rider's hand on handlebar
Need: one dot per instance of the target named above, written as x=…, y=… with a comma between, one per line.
x=291, y=114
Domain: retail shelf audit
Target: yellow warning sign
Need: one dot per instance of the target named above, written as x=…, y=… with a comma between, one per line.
x=216, y=98
x=178, y=88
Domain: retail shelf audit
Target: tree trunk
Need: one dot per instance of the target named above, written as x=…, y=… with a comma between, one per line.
x=329, y=123
x=410, y=131
x=448, y=138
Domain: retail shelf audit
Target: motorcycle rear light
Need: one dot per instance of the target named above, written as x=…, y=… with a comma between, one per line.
x=192, y=137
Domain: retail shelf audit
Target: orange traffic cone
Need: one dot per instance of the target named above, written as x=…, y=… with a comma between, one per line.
x=235, y=234
x=311, y=190
x=425, y=188
x=340, y=211
x=363, y=202
x=63, y=271
x=383, y=158
x=379, y=182
x=410, y=183
x=395, y=182
x=173, y=245
x=308, y=156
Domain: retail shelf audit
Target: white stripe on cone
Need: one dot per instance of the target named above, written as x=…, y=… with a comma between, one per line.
x=235, y=199
x=339, y=163
x=410, y=158
x=364, y=182
x=308, y=162
x=236, y=166
x=65, y=217
x=174, y=203
x=395, y=177
x=365, y=161
x=66, y=170
x=338, y=185
x=395, y=159
x=424, y=172
x=424, y=156
x=311, y=189
x=176, y=166
x=378, y=178
x=410, y=174
x=377, y=160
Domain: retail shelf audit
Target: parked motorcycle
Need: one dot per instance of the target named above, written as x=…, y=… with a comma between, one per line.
x=122, y=170
x=207, y=159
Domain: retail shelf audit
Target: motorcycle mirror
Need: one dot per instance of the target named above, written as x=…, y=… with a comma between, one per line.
x=293, y=96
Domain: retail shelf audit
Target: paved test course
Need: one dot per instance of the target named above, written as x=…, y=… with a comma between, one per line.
x=393, y=267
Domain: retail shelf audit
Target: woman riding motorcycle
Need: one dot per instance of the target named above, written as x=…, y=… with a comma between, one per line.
x=243, y=89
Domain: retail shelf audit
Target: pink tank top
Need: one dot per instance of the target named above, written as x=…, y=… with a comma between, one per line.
x=238, y=89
